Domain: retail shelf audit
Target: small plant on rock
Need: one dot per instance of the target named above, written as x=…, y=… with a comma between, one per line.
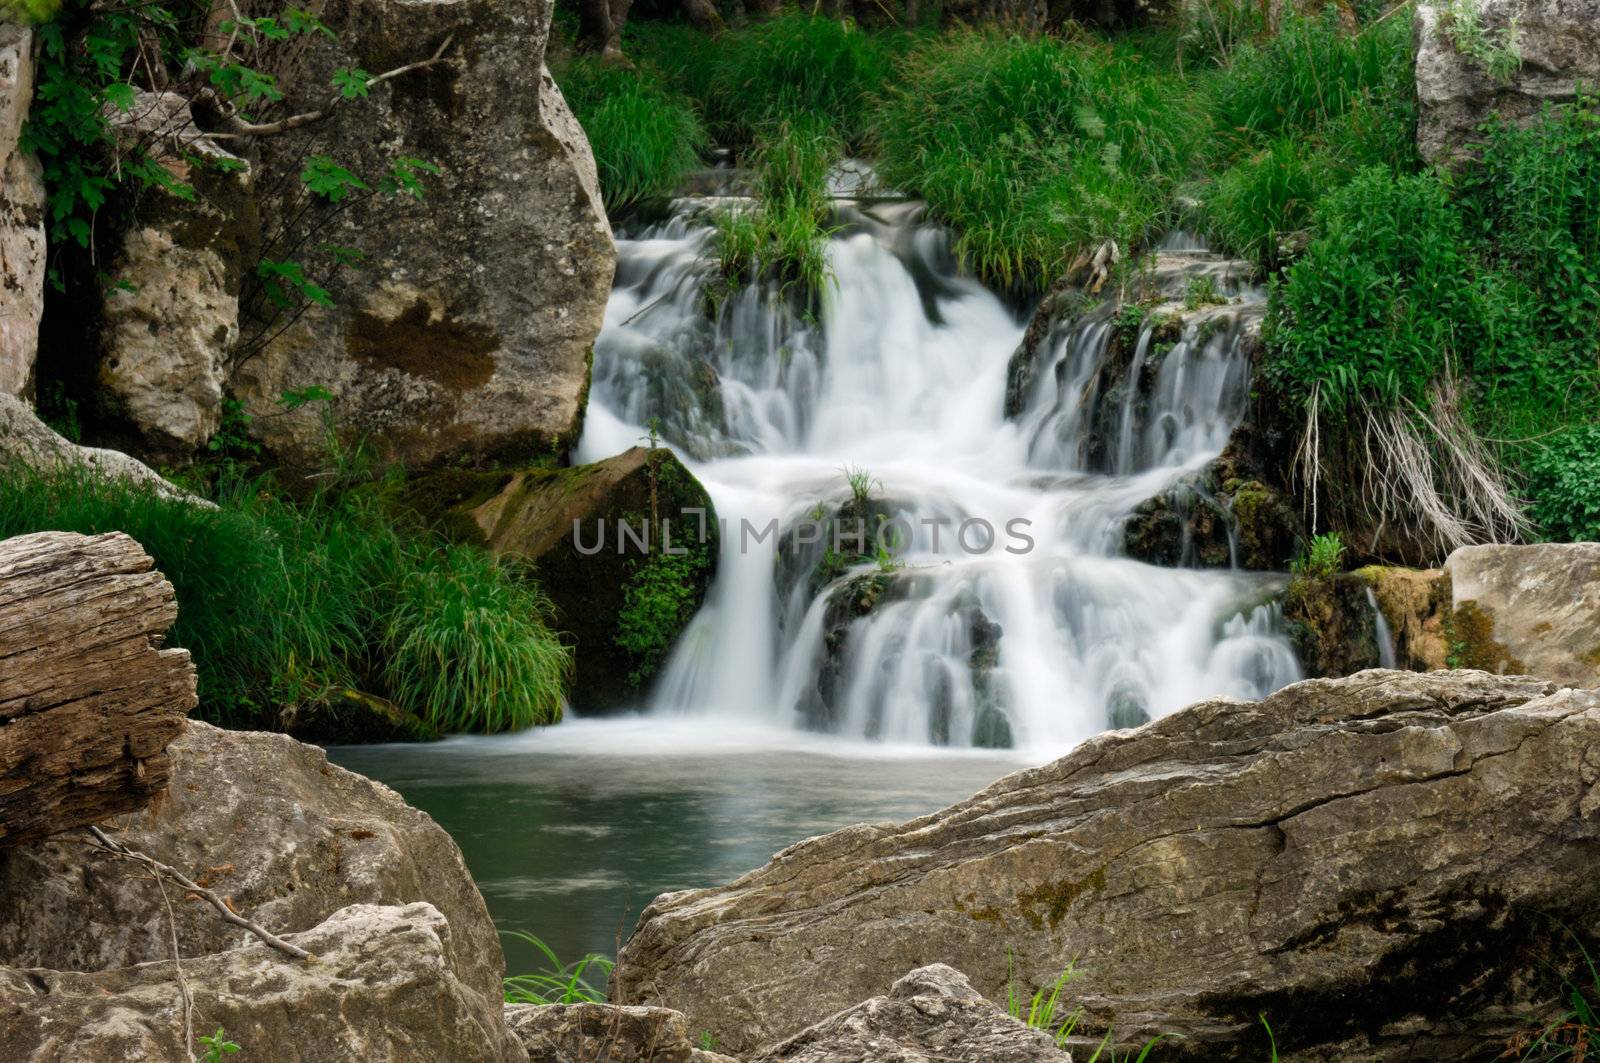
x=1322, y=557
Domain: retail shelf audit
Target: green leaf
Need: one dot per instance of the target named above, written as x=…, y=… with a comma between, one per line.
x=328, y=179
x=351, y=83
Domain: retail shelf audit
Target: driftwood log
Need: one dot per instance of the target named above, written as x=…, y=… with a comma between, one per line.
x=88, y=700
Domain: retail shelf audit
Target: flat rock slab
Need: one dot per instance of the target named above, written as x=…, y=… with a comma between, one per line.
x=1533, y=609
x=1348, y=856
x=932, y=1015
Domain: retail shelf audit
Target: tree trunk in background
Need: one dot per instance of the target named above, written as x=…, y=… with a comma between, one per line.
x=703, y=15
x=762, y=8
x=913, y=14
x=88, y=702
x=600, y=24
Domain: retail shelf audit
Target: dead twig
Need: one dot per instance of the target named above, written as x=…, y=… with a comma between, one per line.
x=228, y=915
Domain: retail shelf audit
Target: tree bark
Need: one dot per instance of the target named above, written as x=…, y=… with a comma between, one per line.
x=88, y=701
x=600, y=24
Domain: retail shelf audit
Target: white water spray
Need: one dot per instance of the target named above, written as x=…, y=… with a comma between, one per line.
x=903, y=374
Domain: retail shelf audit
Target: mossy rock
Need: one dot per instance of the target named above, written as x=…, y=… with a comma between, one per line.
x=1331, y=624
x=627, y=566
x=350, y=717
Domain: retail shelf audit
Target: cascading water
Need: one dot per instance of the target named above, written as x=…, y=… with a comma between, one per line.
x=1035, y=635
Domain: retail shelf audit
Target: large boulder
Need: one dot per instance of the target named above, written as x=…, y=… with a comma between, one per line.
x=1532, y=609
x=22, y=202
x=385, y=984
x=467, y=330
x=1558, y=42
x=1348, y=856
x=932, y=1015
x=170, y=317
x=590, y=534
x=581, y=1033
x=265, y=821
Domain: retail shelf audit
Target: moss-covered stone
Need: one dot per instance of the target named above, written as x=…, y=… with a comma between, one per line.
x=1331, y=624
x=349, y=717
x=1470, y=630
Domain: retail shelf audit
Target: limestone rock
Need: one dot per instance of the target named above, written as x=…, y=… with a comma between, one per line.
x=171, y=311
x=1559, y=43
x=386, y=985
x=1348, y=856
x=932, y=1015
x=262, y=819
x=22, y=202
x=1529, y=609
x=1416, y=607
x=568, y=524
x=466, y=333
x=26, y=439
x=586, y=1033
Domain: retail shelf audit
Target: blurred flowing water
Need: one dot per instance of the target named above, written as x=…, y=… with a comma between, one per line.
x=772, y=721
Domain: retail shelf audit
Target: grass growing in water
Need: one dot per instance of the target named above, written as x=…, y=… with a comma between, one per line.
x=282, y=605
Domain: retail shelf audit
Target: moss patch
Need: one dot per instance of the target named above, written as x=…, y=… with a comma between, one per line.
x=452, y=353
x=1471, y=632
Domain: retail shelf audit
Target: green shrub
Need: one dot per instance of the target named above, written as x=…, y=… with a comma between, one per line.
x=645, y=138
x=1321, y=557
x=1265, y=196
x=283, y=605
x=1563, y=485
x=658, y=601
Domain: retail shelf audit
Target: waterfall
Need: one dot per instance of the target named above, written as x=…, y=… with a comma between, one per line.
x=1005, y=615
x=1380, y=633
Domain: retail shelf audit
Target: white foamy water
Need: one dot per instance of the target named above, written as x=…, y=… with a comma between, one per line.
x=902, y=372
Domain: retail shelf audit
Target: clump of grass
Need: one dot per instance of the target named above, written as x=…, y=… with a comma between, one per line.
x=645, y=138
x=284, y=605
x=1036, y=149
x=1574, y=1034
x=1046, y=1011
x=558, y=983
x=792, y=65
x=779, y=241
x=467, y=645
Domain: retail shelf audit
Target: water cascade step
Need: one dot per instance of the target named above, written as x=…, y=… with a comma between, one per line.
x=987, y=602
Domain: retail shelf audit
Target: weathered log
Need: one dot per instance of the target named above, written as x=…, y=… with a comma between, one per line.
x=88, y=700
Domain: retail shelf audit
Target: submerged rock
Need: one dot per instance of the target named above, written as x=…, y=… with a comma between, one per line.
x=22, y=204
x=932, y=1015
x=386, y=984
x=1554, y=50
x=1530, y=609
x=467, y=331
x=624, y=586
x=1347, y=856
x=585, y=1033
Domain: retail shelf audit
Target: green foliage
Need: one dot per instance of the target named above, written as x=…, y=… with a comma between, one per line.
x=285, y=604
x=1036, y=148
x=1045, y=1010
x=861, y=482
x=1382, y=301
x=1321, y=557
x=646, y=138
x=793, y=65
x=1563, y=485
x=216, y=1046
x=783, y=241
x=558, y=983
x=658, y=601
x=1311, y=72
x=1500, y=55
x=1265, y=196
x=1201, y=291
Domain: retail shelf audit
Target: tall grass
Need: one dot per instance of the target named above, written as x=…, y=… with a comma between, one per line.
x=283, y=604
x=1035, y=149
x=470, y=647
x=645, y=138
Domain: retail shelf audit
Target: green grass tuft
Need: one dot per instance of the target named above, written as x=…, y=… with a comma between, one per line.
x=646, y=139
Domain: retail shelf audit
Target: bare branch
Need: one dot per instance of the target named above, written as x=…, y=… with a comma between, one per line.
x=235, y=127
x=228, y=915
